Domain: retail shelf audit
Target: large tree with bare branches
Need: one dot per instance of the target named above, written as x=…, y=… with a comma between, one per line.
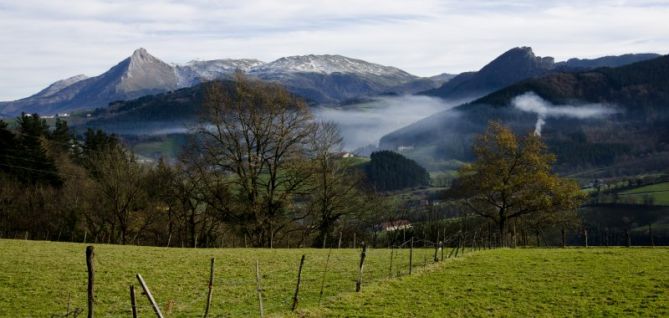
x=254, y=136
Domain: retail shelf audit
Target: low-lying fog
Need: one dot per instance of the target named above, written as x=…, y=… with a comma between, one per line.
x=364, y=124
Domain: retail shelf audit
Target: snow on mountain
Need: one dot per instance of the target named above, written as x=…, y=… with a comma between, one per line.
x=196, y=71
x=326, y=64
x=60, y=85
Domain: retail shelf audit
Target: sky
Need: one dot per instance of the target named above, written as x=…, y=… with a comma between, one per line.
x=42, y=41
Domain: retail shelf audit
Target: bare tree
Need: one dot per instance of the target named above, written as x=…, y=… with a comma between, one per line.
x=253, y=136
x=120, y=189
x=336, y=184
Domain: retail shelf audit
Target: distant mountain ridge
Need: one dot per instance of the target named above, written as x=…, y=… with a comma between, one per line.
x=320, y=79
x=519, y=64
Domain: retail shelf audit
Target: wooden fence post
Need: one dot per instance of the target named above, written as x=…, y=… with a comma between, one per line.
x=211, y=288
x=154, y=305
x=411, y=257
x=297, y=287
x=259, y=291
x=585, y=235
x=437, y=247
x=90, y=254
x=392, y=250
x=325, y=240
x=354, y=238
x=133, y=301
x=441, y=247
x=325, y=271
x=358, y=283
x=69, y=300
x=339, y=244
x=457, y=248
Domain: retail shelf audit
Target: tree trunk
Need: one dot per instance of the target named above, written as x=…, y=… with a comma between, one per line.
x=562, y=231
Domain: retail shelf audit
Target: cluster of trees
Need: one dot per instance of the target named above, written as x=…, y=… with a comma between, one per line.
x=388, y=171
x=259, y=169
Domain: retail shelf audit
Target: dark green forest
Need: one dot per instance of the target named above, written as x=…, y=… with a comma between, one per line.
x=389, y=171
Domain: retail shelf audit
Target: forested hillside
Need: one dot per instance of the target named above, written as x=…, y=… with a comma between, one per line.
x=631, y=136
x=388, y=171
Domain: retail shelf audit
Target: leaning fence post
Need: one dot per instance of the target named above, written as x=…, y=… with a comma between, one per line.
x=156, y=309
x=90, y=254
x=297, y=287
x=259, y=291
x=325, y=271
x=358, y=283
x=211, y=288
x=133, y=301
x=411, y=257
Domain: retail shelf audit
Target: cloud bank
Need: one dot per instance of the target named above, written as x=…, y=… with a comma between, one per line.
x=532, y=103
x=364, y=124
x=47, y=40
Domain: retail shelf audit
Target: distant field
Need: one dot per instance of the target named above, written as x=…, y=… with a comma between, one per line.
x=37, y=277
x=659, y=192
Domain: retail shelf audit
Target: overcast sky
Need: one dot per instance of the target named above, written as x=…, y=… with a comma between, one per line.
x=46, y=40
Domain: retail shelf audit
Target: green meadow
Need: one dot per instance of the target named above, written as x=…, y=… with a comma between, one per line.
x=39, y=279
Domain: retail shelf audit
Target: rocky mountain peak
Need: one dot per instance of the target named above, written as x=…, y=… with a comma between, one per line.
x=520, y=59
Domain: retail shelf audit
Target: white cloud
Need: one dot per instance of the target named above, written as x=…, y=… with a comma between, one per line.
x=532, y=103
x=46, y=40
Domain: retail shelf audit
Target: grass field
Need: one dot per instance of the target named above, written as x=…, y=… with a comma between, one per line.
x=659, y=192
x=613, y=282
x=36, y=278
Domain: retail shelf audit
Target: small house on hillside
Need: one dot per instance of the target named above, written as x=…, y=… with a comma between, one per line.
x=396, y=225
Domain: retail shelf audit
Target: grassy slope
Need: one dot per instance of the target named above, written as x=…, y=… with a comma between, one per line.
x=659, y=192
x=523, y=283
x=36, y=277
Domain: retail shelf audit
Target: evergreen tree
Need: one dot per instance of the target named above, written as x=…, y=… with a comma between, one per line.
x=33, y=165
x=388, y=171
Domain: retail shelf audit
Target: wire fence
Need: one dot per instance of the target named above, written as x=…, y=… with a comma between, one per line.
x=326, y=273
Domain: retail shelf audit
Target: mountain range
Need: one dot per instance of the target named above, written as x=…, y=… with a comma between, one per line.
x=321, y=79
